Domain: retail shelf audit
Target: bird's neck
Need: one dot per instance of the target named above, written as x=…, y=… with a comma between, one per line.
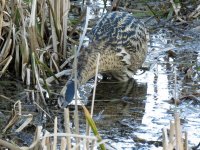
x=86, y=68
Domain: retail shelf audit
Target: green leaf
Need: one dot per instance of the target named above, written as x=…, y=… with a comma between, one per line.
x=93, y=126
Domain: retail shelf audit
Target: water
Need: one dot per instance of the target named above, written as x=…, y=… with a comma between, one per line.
x=141, y=109
x=132, y=115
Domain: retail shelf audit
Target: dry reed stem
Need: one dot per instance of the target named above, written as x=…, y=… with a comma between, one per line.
x=58, y=75
x=85, y=29
x=186, y=147
x=67, y=126
x=3, y=4
x=29, y=118
x=7, y=99
x=16, y=114
x=172, y=131
x=3, y=62
x=53, y=17
x=25, y=54
x=33, y=13
x=23, y=71
x=88, y=128
x=55, y=133
x=28, y=76
x=95, y=84
x=165, y=139
x=41, y=107
x=76, y=118
x=63, y=144
x=36, y=143
x=57, y=12
x=11, y=122
x=6, y=47
x=41, y=9
x=45, y=140
x=92, y=145
x=179, y=142
x=175, y=136
x=195, y=13
x=66, y=8
x=53, y=22
x=53, y=59
x=17, y=59
x=72, y=135
x=177, y=8
x=66, y=62
x=9, y=145
x=35, y=69
x=7, y=62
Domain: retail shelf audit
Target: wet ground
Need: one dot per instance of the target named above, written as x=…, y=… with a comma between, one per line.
x=132, y=114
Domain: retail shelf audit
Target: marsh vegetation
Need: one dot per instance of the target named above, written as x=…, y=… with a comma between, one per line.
x=38, y=47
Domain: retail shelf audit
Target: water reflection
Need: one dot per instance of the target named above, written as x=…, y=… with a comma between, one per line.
x=151, y=95
x=156, y=106
x=123, y=105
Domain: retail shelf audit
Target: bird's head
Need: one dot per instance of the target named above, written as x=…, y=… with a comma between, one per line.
x=67, y=94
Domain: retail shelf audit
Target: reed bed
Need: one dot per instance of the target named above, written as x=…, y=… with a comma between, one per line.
x=56, y=140
x=34, y=39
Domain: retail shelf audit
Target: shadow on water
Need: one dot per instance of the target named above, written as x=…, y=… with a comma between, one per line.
x=119, y=108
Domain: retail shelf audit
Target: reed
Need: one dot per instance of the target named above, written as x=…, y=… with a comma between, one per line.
x=175, y=139
x=55, y=140
x=36, y=28
x=34, y=36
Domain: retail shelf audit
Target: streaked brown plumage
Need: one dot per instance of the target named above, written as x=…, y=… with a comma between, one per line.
x=121, y=41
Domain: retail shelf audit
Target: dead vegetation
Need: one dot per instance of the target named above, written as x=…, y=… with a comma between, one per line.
x=34, y=47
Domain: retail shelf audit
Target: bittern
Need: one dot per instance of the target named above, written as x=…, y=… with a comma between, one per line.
x=121, y=41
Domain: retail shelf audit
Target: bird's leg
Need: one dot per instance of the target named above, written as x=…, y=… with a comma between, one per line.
x=121, y=76
x=124, y=76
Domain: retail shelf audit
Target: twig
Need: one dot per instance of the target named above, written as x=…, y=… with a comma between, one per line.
x=76, y=119
x=95, y=84
x=58, y=75
x=9, y=145
x=42, y=109
x=66, y=62
x=195, y=13
x=7, y=98
x=176, y=10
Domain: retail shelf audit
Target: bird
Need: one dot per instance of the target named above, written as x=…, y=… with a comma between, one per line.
x=121, y=40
